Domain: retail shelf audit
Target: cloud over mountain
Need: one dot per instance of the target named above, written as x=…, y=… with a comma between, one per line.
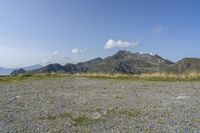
x=78, y=50
x=110, y=44
x=56, y=57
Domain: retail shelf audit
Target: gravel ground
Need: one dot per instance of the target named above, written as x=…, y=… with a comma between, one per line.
x=101, y=106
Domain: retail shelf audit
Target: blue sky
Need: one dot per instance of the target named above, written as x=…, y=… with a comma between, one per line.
x=47, y=31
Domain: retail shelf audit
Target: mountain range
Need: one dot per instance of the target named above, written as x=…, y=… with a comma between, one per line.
x=7, y=71
x=122, y=62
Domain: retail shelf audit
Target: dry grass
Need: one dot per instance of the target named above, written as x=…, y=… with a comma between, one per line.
x=192, y=76
x=157, y=76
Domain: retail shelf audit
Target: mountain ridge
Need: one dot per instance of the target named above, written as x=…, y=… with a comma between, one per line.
x=7, y=71
x=124, y=62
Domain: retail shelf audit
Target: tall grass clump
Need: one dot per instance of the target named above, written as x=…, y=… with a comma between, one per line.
x=104, y=75
x=189, y=76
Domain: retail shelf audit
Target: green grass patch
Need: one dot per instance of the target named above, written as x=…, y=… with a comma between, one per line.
x=20, y=104
x=186, y=77
x=77, y=121
x=65, y=115
x=134, y=112
x=51, y=118
x=196, y=120
x=131, y=113
x=161, y=121
x=80, y=120
x=27, y=77
x=118, y=97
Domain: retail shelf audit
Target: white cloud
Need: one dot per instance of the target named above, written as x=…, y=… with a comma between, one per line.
x=78, y=51
x=55, y=52
x=56, y=57
x=158, y=30
x=152, y=54
x=120, y=44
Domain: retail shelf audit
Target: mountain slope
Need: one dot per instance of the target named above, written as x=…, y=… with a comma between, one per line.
x=18, y=71
x=33, y=67
x=90, y=66
x=121, y=62
x=49, y=68
x=5, y=71
x=15, y=71
x=185, y=65
x=125, y=62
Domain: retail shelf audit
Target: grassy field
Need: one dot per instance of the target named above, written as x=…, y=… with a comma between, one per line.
x=26, y=77
x=193, y=76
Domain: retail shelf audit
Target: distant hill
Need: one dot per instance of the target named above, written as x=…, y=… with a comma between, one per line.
x=33, y=67
x=49, y=68
x=16, y=71
x=5, y=71
x=124, y=62
x=121, y=62
x=185, y=65
x=91, y=65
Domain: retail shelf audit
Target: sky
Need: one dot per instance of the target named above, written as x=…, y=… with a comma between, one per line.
x=62, y=31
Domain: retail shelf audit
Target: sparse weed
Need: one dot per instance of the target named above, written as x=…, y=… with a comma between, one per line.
x=161, y=121
x=65, y=115
x=131, y=113
x=118, y=97
x=20, y=104
x=197, y=120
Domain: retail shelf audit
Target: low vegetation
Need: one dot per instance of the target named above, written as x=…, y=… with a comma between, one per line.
x=77, y=121
x=26, y=77
x=158, y=76
x=131, y=113
x=61, y=116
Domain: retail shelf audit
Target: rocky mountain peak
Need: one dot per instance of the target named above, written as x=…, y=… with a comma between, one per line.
x=123, y=62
